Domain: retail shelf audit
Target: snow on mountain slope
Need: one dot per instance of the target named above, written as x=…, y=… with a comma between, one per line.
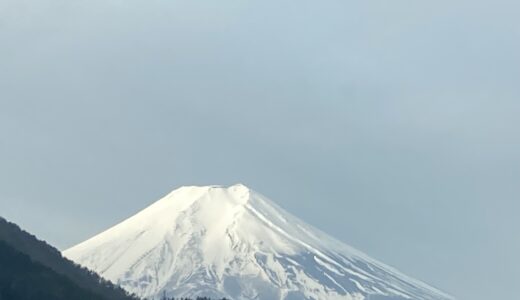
x=233, y=242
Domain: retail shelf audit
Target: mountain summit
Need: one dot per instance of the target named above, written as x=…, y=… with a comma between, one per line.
x=233, y=242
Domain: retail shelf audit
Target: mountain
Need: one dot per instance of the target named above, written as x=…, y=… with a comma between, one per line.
x=233, y=242
x=32, y=269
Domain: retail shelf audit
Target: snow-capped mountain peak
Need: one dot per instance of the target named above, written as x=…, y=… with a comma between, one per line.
x=233, y=242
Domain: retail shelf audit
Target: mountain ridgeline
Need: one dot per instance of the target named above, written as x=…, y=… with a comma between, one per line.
x=31, y=269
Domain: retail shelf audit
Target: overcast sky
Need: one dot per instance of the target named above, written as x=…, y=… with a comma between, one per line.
x=392, y=125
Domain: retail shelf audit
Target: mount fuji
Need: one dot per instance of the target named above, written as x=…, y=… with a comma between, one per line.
x=233, y=242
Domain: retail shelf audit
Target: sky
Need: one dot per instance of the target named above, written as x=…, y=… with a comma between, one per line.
x=391, y=125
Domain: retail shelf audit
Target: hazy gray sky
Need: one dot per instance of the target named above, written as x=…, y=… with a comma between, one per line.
x=392, y=125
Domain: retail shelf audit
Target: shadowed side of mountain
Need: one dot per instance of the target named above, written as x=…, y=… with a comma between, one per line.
x=24, y=279
x=48, y=264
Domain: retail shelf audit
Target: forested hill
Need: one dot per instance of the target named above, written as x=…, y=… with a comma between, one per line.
x=24, y=279
x=43, y=273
